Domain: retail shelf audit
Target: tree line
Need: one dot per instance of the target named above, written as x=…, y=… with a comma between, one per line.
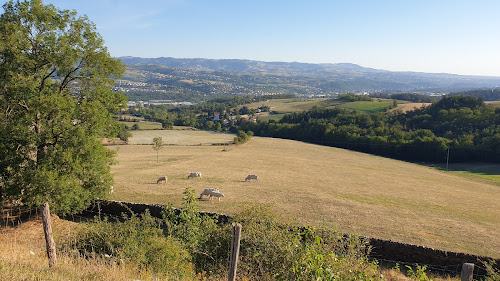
x=464, y=125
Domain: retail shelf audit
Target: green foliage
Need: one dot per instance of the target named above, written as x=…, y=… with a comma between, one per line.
x=273, y=251
x=354, y=97
x=470, y=129
x=417, y=274
x=493, y=274
x=55, y=103
x=201, y=236
x=409, y=97
x=269, y=250
x=242, y=137
x=124, y=133
x=139, y=241
x=368, y=106
x=487, y=95
x=157, y=145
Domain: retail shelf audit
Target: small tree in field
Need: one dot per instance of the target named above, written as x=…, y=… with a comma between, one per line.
x=157, y=145
x=56, y=104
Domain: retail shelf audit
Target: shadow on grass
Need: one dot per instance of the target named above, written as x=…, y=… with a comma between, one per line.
x=485, y=171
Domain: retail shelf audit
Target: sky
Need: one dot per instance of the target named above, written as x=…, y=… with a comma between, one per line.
x=439, y=36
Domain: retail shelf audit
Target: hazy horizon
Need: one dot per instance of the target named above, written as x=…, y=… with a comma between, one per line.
x=440, y=36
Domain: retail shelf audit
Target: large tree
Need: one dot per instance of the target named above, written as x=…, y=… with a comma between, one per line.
x=56, y=103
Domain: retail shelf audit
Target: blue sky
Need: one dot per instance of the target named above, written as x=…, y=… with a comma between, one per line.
x=452, y=36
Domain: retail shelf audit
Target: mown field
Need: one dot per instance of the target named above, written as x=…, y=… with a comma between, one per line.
x=143, y=125
x=357, y=192
x=180, y=137
x=294, y=105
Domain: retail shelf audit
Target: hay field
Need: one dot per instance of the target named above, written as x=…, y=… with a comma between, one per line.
x=180, y=137
x=409, y=106
x=143, y=125
x=493, y=103
x=294, y=105
x=314, y=184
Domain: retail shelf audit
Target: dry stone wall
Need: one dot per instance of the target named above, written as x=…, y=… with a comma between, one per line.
x=381, y=249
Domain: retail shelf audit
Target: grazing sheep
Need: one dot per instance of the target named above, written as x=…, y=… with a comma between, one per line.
x=195, y=175
x=207, y=191
x=252, y=177
x=162, y=180
x=216, y=194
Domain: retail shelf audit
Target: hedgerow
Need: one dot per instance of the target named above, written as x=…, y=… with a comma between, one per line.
x=178, y=245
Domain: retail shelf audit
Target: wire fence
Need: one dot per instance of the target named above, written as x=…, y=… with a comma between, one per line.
x=16, y=216
x=442, y=270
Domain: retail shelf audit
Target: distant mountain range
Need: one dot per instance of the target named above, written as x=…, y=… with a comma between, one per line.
x=198, y=79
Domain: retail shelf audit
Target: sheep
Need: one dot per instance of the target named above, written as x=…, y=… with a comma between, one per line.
x=194, y=175
x=252, y=177
x=207, y=191
x=162, y=179
x=216, y=194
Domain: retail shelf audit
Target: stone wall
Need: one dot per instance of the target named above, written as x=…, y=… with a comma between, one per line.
x=381, y=249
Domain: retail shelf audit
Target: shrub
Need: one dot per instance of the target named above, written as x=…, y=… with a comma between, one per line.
x=242, y=137
x=493, y=274
x=354, y=97
x=202, y=237
x=273, y=251
x=138, y=241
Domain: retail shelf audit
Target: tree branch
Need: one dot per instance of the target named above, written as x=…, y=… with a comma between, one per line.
x=68, y=78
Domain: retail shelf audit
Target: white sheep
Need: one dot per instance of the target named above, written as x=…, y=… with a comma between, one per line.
x=216, y=194
x=207, y=191
x=194, y=175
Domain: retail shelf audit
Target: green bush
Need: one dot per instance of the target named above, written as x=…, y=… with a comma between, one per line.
x=138, y=241
x=201, y=235
x=242, y=137
x=270, y=249
x=274, y=251
x=354, y=97
x=493, y=274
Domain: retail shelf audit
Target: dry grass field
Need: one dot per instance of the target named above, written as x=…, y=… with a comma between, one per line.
x=359, y=193
x=493, y=103
x=180, y=137
x=404, y=107
x=23, y=257
x=294, y=105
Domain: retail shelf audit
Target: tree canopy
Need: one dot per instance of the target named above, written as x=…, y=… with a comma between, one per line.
x=56, y=103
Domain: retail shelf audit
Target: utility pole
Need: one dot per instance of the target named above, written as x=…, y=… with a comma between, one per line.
x=447, y=158
x=225, y=129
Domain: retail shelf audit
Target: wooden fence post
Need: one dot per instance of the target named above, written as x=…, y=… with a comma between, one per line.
x=235, y=251
x=49, y=239
x=467, y=272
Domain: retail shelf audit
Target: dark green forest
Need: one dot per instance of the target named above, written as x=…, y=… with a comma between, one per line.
x=463, y=124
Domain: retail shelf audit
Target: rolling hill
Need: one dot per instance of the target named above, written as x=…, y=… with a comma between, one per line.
x=362, y=193
x=201, y=79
